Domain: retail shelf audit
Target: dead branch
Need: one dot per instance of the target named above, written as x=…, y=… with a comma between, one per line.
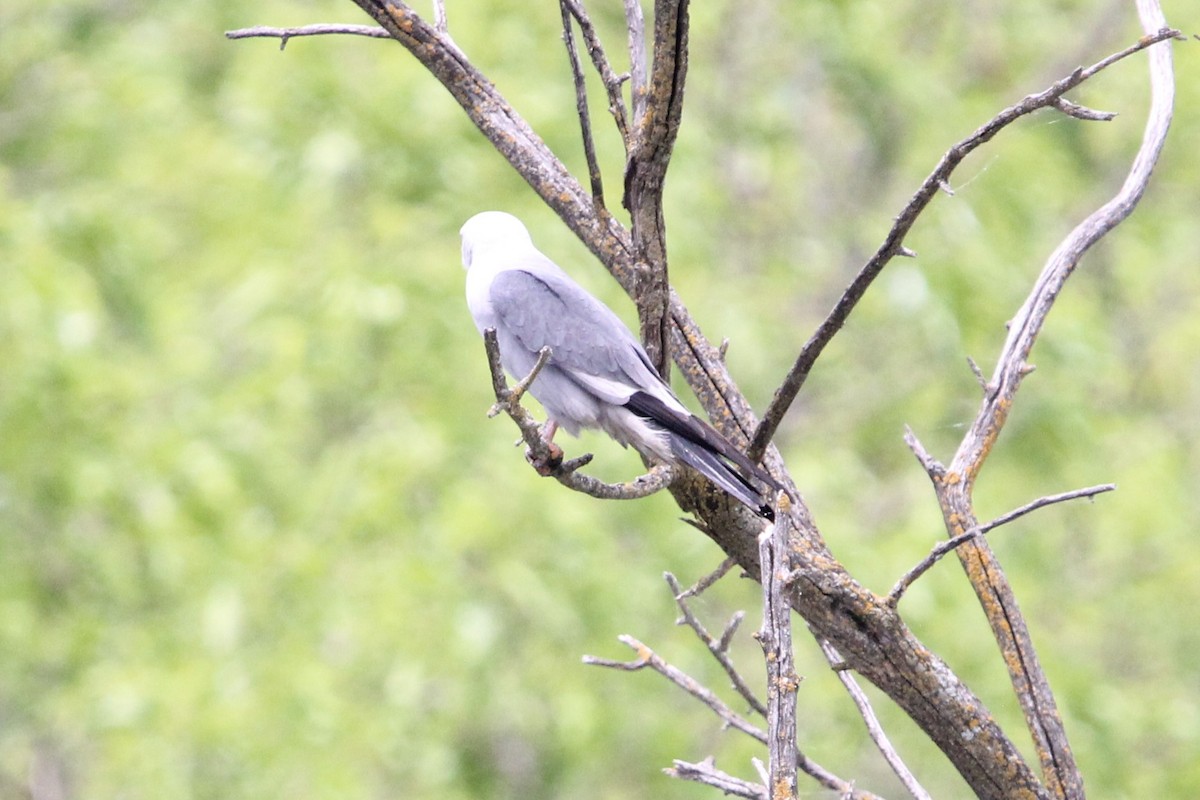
x=581, y=104
x=547, y=457
x=775, y=636
x=949, y=545
x=870, y=635
x=653, y=140
x=874, y=729
x=703, y=583
x=706, y=772
x=954, y=484
x=719, y=647
x=284, y=34
x=893, y=244
x=611, y=80
x=636, y=26
x=648, y=658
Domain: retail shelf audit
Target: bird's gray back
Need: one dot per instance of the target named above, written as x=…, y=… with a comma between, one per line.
x=538, y=305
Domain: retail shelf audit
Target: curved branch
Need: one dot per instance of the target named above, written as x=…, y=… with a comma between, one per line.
x=545, y=456
x=893, y=244
x=954, y=483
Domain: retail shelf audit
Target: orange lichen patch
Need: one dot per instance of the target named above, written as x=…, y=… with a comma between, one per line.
x=403, y=19
x=782, y=789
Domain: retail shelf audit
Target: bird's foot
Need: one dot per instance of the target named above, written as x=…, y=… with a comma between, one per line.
x=546, y=464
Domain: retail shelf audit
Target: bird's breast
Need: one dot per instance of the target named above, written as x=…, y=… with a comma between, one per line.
x=479, y=281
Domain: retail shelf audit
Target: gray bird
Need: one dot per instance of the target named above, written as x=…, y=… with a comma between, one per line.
x=598, y=375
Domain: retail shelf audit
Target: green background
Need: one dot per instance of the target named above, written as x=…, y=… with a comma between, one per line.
x=258, y=539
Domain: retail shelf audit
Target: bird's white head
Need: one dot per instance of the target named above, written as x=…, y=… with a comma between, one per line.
x=491, y=229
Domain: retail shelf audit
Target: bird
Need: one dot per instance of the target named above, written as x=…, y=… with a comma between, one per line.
x=598, y=374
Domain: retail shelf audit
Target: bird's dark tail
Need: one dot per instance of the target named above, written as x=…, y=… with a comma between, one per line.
x=717, y=470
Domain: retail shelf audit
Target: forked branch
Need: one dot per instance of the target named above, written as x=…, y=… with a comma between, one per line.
x=954, y=483
x=893, y=243
x=547, y=457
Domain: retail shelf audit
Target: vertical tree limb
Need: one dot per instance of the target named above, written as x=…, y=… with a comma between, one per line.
x=954, y=484
x=775, y=636
x=655, y=129
x=581, y=108
x=636, y=27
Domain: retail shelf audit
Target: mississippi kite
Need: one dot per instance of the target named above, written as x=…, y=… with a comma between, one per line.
x=598, y=375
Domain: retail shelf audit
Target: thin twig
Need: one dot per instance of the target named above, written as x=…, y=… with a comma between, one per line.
x=648, y=658
x=1083, y=112
x=707, y=580
x=543, y=455
x=942, y=548
x=635, y=24
x=440, y=23
x=706, y=772
x=581, y=107
x=719, y=647
x=284, y=34
x=775, y=636
x=874, y=729
x=611, y=80
x=507, y=398
x=893, y=243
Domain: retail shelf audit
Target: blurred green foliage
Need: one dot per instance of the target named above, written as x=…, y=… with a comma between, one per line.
x=259, y=540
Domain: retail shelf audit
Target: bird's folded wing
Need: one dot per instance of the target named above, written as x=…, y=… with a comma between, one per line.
x=540, y=306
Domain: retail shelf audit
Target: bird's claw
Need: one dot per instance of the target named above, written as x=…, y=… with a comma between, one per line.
x=548, y=464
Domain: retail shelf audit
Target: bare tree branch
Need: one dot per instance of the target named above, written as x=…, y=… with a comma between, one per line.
x=638, y=85
x=954, y=484
x=874, y=729
x=546, y=456
x=893, y=243
x=944, y=547
x=654, y=132
x=705, y=581
x=706, y=772
x=871, y=636
x=775, y=636
x=283, y=34
x=719, y=647
x=581, y=106
x=648, y=658
x=611, y=80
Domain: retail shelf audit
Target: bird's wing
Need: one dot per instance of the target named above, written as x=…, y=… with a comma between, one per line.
x=539, y=306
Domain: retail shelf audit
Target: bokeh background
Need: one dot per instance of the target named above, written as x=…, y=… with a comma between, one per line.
x=258, y=539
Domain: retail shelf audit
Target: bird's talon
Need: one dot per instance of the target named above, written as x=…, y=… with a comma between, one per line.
x=548, y=465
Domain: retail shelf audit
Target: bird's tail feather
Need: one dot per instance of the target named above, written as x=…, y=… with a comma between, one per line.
x=711, y=466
